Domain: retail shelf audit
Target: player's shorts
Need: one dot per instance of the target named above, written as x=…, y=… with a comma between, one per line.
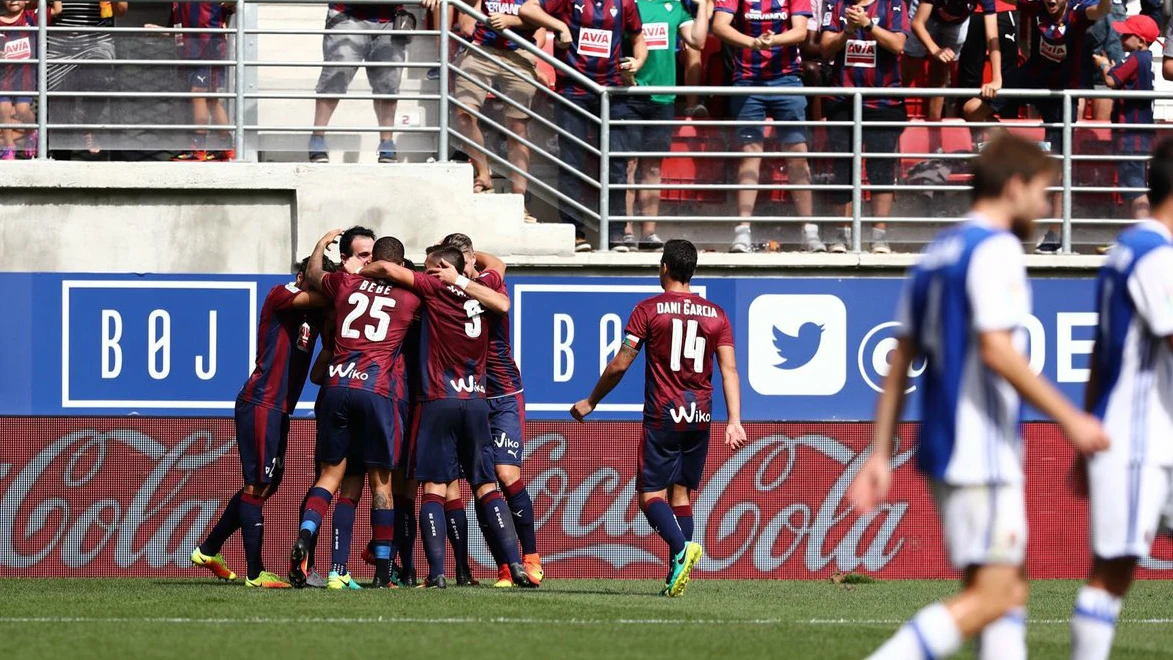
x=518, y=88
x=983, y=524
x=453, y=435
x=261, y=437
x=356, y=423
x=669, y=457
x=1126, y=504
x=778, y=108
x=507, y=426
x=378, y=45
x=947, y=35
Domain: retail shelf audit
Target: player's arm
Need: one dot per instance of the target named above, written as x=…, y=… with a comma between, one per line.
x=321, y=366
x=835, y=33
x=465, y=22
x=870, y=486
x=54, y=8
x=309, y=300
x=639, y=53
x=920, y=27
x=494, y=301
x=611, y=377
x=486, y=261
x=315, y=270
x=731, y=383
x=385, y=270
x=695, y=33
x=890, y=40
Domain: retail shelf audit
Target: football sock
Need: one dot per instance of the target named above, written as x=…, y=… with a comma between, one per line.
x=382, y=531
x=432, y=529
x=930, y=633
x=490, y=540
x=343, y=521
x=457, y=521
x=316, y=506
x=1004, y=639
x=228, y=523
x=1093, y=624
x=252, y=531
x=683, y=515
x=313, y=539
x=405, y=531
x=523, y=516
x=500, y=526
x=659, y=515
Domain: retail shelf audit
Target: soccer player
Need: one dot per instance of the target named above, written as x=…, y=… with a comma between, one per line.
x=355, y=413
x=286, y=335
x=963, y=308
x=504, y=391
x=1131, y=390
x=453, y=418
x=683, y=333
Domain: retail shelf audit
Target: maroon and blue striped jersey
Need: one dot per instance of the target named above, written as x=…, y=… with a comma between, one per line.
x=681, y=332
x=285, y=345
x=371, y=318
x=19, y=79
x=1134, y=73
x=486, y=36
x=1057, y=45
x=956, y=12
x=596, y=45
x=454, y=342
x=754, y=17
x=200, y=15
x=376, y=13
x=863, y=62
x=502, y=377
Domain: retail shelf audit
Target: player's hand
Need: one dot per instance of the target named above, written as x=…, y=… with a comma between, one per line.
x=330, y=237
x=734, y=436
x=1086, y=434
x=870, y=486
x=498, y=22
x=990, y=89
x=945, y=55
x=1100, y=59
x=580, y=410
x=445, y=271
x=564, y=38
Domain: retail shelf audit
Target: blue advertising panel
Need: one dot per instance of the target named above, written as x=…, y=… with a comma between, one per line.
x=808, y=348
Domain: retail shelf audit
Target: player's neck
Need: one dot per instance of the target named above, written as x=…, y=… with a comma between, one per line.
x=993, y=213
x=676, y=287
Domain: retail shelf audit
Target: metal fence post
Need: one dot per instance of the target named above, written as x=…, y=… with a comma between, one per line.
x=445, y=27
x=857, y=172
x=604, y=169
x=42, y=79
x=238, y=110
x=1067, y=136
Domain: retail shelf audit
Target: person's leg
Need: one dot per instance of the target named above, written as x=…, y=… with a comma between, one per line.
x=839, y=143
x=343, y=521
x=1097, y=606
x=751, y=140
x=574, y=159
x=655, y=138
x=679, y=497
x=386, y=49
x=693, y=72
x=793, y=139
x=347, y=49
x=436, y=467
x=382, y=523
x=8, y=116
x=456, y=520
x=518, y=155
x=470, y=129
x=620, y=141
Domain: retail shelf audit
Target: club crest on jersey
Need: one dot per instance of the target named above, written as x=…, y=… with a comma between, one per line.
x=467, y=384
x=614, y=12
x=303, y=338
x=347, y=371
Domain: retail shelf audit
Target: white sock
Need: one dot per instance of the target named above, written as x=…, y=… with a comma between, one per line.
x=931, y=633
x=1004, y=639
x=1093, y=624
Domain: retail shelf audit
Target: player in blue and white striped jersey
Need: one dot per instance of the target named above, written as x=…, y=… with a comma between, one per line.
x=963, y=309
x=1131, y=390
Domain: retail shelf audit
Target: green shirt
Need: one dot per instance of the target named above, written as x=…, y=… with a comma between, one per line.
x=662, y=20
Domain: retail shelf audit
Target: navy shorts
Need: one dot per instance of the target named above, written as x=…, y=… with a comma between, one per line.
x=1132, y=174
x=354, y=424
x=261, y=436
x=17, y=100
x=650, y=138
x=778, y=108
x=668, y=457
x=453, y=436
x=507, y=424
x=1051, y=109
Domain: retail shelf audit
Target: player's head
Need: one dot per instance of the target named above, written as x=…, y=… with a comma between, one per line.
x=388, y=248
x=1015, y=172
x=1161, y=174
x=463, y=243
x=446, y=253
x=355, y=245
x=303, y=266
x=678, y=263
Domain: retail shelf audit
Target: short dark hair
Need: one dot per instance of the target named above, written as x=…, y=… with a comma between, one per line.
x=449, y=254
x=388, y=248
x=302, y=267
x=348, y=236
x=408, y=264
x=1161, y=173
x=680, y=258
x=459, y=241
x=1004, y=158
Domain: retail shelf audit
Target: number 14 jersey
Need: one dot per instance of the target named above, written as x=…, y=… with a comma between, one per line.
x=681, y=332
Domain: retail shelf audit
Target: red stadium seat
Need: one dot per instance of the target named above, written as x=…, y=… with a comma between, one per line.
x=686, y=169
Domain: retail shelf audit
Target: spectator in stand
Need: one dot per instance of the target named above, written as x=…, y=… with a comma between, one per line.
x=1103, y=40
x=939, y=30
x=381, y=45
x=18, y=82
x=865, y=38
x=764, y=36
x=694, y=62
x=1134, y=73
x=589, y=40
x=665, y=23
x=79, y=78
x=816, y=72
x=518, y=83
x=1057, y=49
x=1167, y=62
x=202, y=78
x=971, y=63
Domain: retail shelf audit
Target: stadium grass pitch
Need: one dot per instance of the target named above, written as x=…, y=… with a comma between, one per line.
x=565, y=619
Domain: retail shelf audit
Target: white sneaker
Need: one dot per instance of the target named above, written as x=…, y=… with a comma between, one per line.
x=741, y=241
x=810, y=239
x=842, y=240
x=880, y=242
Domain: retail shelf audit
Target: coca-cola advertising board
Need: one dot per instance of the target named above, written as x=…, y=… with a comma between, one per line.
x=133, y=496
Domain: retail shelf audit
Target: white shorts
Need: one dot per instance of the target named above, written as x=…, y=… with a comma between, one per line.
x=983, y=525
x=947, y=35
x=1126, y=505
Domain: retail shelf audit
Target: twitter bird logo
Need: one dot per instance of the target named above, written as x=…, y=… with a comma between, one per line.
x=798, y=350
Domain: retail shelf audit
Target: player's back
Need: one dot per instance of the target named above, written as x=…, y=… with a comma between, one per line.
x=454, y=342
x=971, y=279
x=502, y=377
x=285, y=344
x=681, y=332
x=1134, y=364
x=371, y=320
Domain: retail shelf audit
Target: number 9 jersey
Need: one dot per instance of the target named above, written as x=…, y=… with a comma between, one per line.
x=681, y=332
x=454, y=340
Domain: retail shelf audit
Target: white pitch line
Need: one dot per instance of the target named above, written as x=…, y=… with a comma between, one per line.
x=503, y=620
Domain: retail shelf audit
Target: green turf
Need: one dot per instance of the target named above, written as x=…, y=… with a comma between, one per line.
x=565, y=619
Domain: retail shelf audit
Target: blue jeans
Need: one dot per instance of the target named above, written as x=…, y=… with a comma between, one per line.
x=778, y=108
x=575, y=159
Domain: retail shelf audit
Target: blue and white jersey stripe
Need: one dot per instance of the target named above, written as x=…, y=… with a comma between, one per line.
x=971, y=279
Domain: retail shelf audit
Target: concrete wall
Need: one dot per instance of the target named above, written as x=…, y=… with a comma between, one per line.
x=241, y=217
